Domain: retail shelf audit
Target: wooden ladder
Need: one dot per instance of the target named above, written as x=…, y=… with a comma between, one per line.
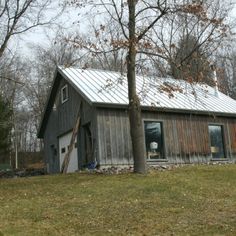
x=66, y=160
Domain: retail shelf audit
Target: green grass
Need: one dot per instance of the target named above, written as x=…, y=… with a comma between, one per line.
x=193, y=200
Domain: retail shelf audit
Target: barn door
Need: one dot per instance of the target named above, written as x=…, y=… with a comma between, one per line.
x=64, y=142
x=88, y=143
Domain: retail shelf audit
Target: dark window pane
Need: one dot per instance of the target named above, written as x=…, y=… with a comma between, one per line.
x=216, y=139
x=153, y=140
x=63, y=150
x=64, y=94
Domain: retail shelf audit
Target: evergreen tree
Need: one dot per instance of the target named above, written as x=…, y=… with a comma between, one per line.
x=190, y=62
x=5, y=128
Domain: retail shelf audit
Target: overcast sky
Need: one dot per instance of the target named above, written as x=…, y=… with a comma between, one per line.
x=24, y=42
x=40, y=35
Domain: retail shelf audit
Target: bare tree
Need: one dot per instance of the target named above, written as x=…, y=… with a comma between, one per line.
x=12, y=72
x=5, y=128
x=109, y=58
x=206, y=21
x=19, y=16
x=226, y=73
x=11, y=77
x=191, y=66
x=139, y=21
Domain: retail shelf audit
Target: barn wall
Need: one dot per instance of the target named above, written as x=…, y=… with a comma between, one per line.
x=186, y=137
x=113, y=137
x=61, y=120
x=51, y=146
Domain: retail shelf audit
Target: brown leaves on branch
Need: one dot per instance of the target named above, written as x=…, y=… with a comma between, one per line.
x=79, y=3
x=170, y=88
x=194, y=9
x=119, y=43
x=201, y=12
x=80, y=43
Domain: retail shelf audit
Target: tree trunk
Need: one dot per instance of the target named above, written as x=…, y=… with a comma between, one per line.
x=136, y=126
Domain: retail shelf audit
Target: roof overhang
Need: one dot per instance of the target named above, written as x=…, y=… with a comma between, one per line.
x=163, y=109
x=49, y=104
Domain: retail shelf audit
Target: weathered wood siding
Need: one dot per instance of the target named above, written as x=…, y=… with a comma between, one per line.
x=186, y=137
x=62, y=120
x=51, y=145
x=114, y=143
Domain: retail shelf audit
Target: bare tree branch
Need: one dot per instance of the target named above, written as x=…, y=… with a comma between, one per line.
x=17, y=17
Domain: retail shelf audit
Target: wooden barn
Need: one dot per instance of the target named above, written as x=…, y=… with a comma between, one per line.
x=190, y=124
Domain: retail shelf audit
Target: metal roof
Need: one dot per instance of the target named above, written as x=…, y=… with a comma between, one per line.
x=106, y=87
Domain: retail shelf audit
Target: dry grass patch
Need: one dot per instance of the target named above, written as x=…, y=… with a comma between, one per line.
x=193, y=200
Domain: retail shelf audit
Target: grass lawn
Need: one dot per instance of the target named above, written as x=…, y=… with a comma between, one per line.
x=191, y=200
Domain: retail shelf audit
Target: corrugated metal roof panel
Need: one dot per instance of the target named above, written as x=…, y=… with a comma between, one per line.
x=111, y=87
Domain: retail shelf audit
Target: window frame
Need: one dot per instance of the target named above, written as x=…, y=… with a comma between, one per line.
x=64, y=99
x=163, y=157
x=223, y=141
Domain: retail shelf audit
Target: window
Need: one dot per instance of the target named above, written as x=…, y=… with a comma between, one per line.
x=63, y=150
x=216, y=141
x=64, y=94
x=154, y=140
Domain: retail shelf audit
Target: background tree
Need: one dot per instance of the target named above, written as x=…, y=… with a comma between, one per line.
x=17, y=17
x=190, y=66
x=12, y=77
x=206, y=26
x=108, y=58
x=225, y=61
x=11, y=81
x=5, y=128
x=233, y=67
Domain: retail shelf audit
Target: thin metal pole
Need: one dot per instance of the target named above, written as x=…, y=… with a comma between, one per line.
x=16, y=149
